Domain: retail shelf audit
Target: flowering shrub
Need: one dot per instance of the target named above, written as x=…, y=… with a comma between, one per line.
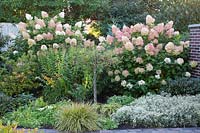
x=160, y=111
x=149, y=54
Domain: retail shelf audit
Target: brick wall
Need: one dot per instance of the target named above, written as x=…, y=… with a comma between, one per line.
x=195, y=47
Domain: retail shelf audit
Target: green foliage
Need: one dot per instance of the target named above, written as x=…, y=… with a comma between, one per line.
x=21, y=77
x=122, y=100
x=182, y=86
x=160, y=111
x=107, y=123
x=77, y=118
x=37, y=114
x=187, y=10
x=9, y=104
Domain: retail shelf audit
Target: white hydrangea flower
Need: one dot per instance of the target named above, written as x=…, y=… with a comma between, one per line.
x=157, y=76
x=129, y=85
x=43, y=47
x=167, y=60
x=141, y=82
x=29, y=17
x=123, y=83
x=61, y=14
x=187, y=74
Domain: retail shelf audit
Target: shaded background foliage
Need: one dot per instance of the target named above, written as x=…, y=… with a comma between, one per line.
x=128, y=12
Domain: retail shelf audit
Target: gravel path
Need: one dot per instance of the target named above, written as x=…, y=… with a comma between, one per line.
x=153, y=130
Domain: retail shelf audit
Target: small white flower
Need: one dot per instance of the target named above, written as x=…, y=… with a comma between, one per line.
x=67, y=26
x=43, y=47
x=29, y=17
x=67, y=40
x=79, y=24
x=157, y=76
x=187, y=74
x=129, y=85
x=179, y=61
x=158, y=72
x=101, y=39
x=163, y=82
x=78, y=33
x=15, y=52
x=60, y=33
x=55, y=46
x=141, y=82
x=123, y=83
x=62, y=14
x=167, y=60
x=37, y=26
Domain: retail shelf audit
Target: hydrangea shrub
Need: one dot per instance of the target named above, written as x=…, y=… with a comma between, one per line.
x=148, y=54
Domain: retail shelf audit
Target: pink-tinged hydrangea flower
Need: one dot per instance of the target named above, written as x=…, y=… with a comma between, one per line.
x=178, y=50
x=144, y=31
x=169, y=47
x=167, y=60
x=169, y=25
x=109, y=39
x=44, y=14
x=159, y=46
x=125, y=39
x=139, y=41
x=139, y=60
x=150, y=49
x=22, y=26
x=52, y=24
x=114, y=29
x=40, y=22
x=43, y=47
x=127, y=34
x=149, y=20
x=25, y=35
x=88, y=43
x=39, y=37
x=100, y=48
x=110, y=73
x=129, y=46
x=153, y=34
x=139, y=70
x=31, y=42
x=187, y=74
x=117, y=78
x=59, y=27
x=125, y=73
x=126, y=29
x=155, y=41
x=118, y=51
x=69, y=32
x=179, y=61
x=55, y=46
x=49, y=36
x=149, y=67
x=119, y=35
x=138, y=27
x=185, y=44
x=193, y=64
x=73, y=42
x=170, y=32
x=159, y=28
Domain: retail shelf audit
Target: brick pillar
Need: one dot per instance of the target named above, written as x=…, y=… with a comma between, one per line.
x=195, y=47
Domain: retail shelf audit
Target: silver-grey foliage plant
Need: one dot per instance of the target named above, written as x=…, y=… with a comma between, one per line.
x=160, y=111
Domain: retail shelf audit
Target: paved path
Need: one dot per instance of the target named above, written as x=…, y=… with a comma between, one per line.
x=154, y=130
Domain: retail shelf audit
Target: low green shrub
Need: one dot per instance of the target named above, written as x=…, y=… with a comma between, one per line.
x=160, y=111
x=122, y=100
x=182, y=86
x=36, y=115
x=77, y=118
x=8, y=104
x=107, y=123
